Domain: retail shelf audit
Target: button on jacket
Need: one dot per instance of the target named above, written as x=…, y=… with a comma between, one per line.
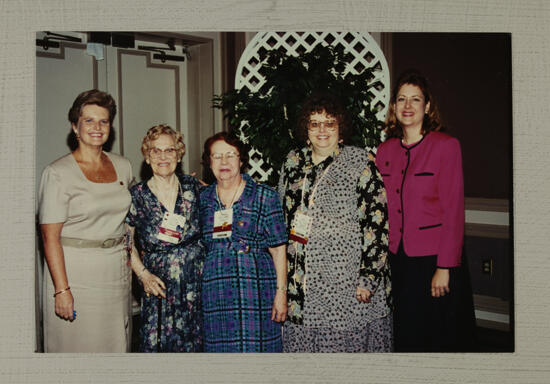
x=425, y=189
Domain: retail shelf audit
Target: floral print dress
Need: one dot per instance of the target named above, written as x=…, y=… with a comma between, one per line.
x=173, y=324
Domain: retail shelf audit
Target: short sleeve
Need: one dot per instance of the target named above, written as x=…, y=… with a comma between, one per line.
x=273, y=219
x=53, y=200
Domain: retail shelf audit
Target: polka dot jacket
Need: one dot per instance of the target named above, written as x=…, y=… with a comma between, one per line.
x=348, y=240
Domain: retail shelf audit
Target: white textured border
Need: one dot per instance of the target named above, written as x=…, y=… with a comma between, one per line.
x=527, y=20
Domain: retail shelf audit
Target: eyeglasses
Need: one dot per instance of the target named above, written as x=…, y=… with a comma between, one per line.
x=226, y=155
x=157, y=152
x=315, y=126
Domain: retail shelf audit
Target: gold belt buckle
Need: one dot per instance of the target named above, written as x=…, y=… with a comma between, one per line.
x=108, y=243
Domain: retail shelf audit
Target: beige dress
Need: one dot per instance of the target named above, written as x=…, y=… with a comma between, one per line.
x=100, y=278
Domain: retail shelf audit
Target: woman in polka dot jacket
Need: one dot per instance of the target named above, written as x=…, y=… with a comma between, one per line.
x=335, y=208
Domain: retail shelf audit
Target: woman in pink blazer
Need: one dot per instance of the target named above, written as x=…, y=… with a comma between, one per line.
x=422, y=172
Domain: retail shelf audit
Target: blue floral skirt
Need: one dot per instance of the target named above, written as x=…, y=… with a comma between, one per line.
x=173, y=324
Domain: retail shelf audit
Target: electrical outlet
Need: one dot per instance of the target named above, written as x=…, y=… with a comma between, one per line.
x=487, y=266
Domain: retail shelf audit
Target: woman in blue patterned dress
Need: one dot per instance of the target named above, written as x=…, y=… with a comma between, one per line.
x=244, y=278
x=164, y=215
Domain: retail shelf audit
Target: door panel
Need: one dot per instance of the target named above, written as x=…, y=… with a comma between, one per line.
x=149, y=94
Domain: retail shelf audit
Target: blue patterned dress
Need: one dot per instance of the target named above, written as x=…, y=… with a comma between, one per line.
x=239, y=281
x=179, y=266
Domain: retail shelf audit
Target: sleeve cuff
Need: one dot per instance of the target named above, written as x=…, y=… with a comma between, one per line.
x=367, y=283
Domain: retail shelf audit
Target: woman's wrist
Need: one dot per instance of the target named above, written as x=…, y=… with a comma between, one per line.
x=62, y=291
x=140, y=274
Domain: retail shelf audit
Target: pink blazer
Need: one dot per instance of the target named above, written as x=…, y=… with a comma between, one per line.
x=425, y=189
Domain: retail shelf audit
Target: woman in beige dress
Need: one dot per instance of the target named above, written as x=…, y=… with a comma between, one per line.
x=83, y=200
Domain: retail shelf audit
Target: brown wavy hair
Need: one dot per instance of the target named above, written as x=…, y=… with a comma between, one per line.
x=317, y=103
x=162, y=129
x=432, y=119
x=92, y=97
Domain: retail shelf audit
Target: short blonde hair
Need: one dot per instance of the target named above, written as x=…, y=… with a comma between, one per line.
x=162, y=129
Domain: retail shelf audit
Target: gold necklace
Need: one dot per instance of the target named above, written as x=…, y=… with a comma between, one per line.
x=234, y=194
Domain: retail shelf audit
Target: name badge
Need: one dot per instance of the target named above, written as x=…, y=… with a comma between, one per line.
x=299, y=230
x=171, y=228
x=223, y=222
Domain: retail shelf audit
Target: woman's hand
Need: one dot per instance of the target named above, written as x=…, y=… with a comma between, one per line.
x=278, y=313
x=152, y=284
x=280, y=307
x=363, y=295
x=64, y=305
x=440, y=282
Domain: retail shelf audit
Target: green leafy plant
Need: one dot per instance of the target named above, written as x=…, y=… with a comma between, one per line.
x=267, y=118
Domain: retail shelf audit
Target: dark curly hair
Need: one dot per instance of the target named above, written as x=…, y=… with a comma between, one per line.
x=231, y=139
x=319, y=102
x=432, y=119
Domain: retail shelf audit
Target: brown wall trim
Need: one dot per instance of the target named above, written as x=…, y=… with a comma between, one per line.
x=482, y=204
x=494, y=305
x=491, y=304
x=482, y=323
x=487, y=230
x=149, y=64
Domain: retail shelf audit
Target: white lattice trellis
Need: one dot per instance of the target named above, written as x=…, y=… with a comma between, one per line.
x=365, y=52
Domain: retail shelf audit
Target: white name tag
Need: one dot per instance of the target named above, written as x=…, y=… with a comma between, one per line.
x=299, y=230
x=223, y=222
x=171, y=228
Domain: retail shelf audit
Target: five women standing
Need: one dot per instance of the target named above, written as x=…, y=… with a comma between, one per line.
x=333, y=204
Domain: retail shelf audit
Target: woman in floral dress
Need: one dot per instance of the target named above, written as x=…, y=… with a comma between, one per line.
x=335, y=208
x=164, y=215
